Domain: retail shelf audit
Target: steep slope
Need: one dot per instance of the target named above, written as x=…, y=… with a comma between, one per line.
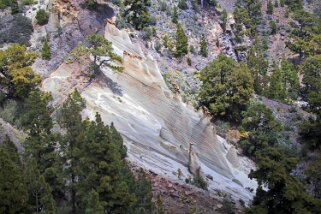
x=157, y=127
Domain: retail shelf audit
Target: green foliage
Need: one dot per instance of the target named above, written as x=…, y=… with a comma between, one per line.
x=28, y=2
x=181, y=42
x=14, y=6
x=311, y=134
x=91, y=4
x=228, y=206
x=312, y=82
x=270, y=8
x=248, y=13
x=276, y=3
x=159, y=205
x=262, y=127
x=144, y=194
x=137, y=13
x=18, y=31
x=273, y=27
x=42, y=17
x=175, y=15
x=45, y=51
x=258, y=66
x=227, y=87
x=284, y=82
x=40, y=197
x=13, y=191
x=224, y=19
x=313, y=173
x=93, y=204
x=282, y=193
x=182, y=5
x=189, y=61
x=199, y=181
x=204, y=46
x=18, y=79
x=99, y=48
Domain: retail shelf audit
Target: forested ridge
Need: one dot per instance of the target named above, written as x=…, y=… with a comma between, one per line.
x=65, y=163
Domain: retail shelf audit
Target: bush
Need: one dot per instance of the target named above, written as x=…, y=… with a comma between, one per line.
x=18, y=30
x=163, y=6
x=42, y=17
x=28, y=2
x=182, y=5
x=158, y=46
x=152, y=20
x=199, y=181
x=189, y=61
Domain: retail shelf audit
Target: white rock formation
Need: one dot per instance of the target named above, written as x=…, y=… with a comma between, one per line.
x=156, y=126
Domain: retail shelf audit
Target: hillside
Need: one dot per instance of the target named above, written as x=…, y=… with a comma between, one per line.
x=146, y=106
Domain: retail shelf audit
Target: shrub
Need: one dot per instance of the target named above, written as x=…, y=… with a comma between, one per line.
x=189, y=61
x=18, y=30
x=182, y=5
x=152, y=20
x=42, y=17
x=28, y=2
x=158, y=46
x=199, y=181
x=46, y=52
x=163, y=6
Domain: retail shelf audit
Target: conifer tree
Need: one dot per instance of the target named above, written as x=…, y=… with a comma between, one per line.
x=227, y=87
x=40, y=197
x=276, y=88
x=13, y=191
x=70, y=120
x=93, y=205
x=102, y=168
x=102, y=51
x=175, y=15
x=144, y=193
x=45, y=51
x=137, y=13
x=14, y=7
x=224, y=19
x=204, y=46
x=182, y=4
x=270, y=7
x=181, y=42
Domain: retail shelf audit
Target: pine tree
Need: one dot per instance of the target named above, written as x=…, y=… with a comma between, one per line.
x=204, y=46
x=14, y=7
x=40, y=198
x=227, y=87
x=137, y=13
x=159, y=205
x=262, y=127
x=45, y=51
x=276, y=88
x=144, y=193
x=224, y=20
x=99, y=48
x=41, y=143
x=102, y=168
x=270, y=7
x=175, y=15
x=70, y=120
x=182, y=5
x=93, y=205
x=13, y=192
x=181, y=42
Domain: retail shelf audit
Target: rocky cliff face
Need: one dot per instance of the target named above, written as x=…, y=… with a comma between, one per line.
x=162, y=133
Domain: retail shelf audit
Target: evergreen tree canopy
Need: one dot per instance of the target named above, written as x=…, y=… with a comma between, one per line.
x=262, y=127
x=13, y=191
x=227, y=87
x=204, y=46
x=137, y=13
x=101, y=50
x=17, y=78
x=181, y=42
